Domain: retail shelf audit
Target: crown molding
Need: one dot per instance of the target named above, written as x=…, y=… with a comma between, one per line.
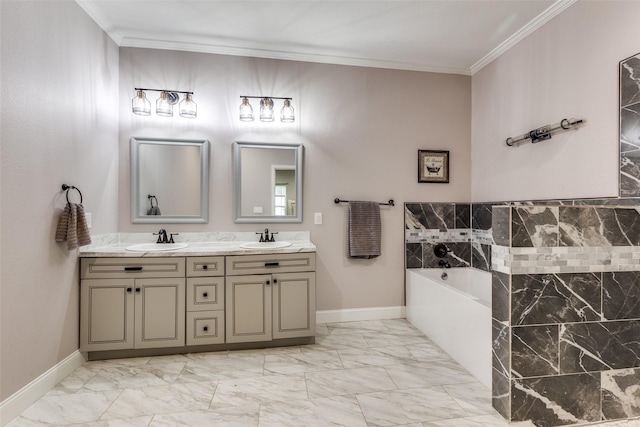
x=546, y=16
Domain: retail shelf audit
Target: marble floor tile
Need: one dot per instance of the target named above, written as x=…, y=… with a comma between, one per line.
x=308, y=361
x=238, y=416
x=138, y=376
x=426, y=374
x=139, y=402
x=66, y=409
x=271, y=388
x=381, y=356
x=397, y=407
x=221, y=369
x=348, y=381
x=381, y=373
x=329, y=411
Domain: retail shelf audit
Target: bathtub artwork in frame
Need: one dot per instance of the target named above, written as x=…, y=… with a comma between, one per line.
x=630, y=126
x=433, y=166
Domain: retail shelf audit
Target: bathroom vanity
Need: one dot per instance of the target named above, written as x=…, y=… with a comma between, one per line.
x=205, y=297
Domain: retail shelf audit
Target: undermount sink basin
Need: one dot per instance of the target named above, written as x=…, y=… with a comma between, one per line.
x=265, y=245
x=156, y=247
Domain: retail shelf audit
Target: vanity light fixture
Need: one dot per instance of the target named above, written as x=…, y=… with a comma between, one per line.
x=266, y=109
x=164, y=105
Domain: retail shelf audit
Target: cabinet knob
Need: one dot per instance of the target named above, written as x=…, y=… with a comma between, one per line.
x=129, y=290
x=138, y=290
x=205, y=294
x=275, y=281
x=206, y=328
x=268, y=282
x=205, y=266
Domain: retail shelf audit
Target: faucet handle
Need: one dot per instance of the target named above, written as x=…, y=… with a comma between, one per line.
x=171, y=237
x=261, y=237
x=273, y=237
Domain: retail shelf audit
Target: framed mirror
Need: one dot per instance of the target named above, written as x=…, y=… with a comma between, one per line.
x=169, y=181
x=267, y=182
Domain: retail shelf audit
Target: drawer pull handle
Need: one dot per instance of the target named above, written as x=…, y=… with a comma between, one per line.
x=205, y=294
x=138, y=290
x=271, y=264
x=275, y=281
x=268, y=283
x=129, y=290
x=206, y=328
x=133, y=268
x=205, y=266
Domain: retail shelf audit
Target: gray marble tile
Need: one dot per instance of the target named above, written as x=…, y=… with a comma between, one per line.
x=399, y=407
x=534, y=226
x=535, y=351
x=360, y=327
x=330, y=411
x=74, y=382
x=501, y=347
x=348, y=381
x=339, y=342
x=501, y=225
x=413, y=255
x=481, y=216
x=427, y=351
x=204, y=370
x=599, y=346
x=473, y=398
x=462, y=215
x=129, y=422
x=500, y=294
x=621, y=295
x=621, y=394
x=430, y=215
x=388, y=339
x=557, y=400
x=481, y=256
x=270, y=388
x=555, y=298
x=501, y=393
x=477, y=421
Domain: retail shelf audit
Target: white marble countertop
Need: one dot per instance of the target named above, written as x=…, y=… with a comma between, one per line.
x=198, y=244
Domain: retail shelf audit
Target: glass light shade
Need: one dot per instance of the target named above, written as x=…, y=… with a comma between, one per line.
x=140, y=105
x=266, y=110
x=286, y=114
x=246, y=111
x=188, y=108
x=163, y=107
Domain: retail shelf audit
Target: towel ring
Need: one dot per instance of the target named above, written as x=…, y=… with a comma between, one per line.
x=66, y=188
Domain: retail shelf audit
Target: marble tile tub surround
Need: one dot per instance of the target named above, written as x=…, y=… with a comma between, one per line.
x=457, y=225
x=566, y=313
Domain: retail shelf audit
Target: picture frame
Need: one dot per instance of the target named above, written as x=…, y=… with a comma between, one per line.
x=433, y=166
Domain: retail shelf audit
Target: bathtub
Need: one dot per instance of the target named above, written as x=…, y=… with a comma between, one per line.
x=455, y=314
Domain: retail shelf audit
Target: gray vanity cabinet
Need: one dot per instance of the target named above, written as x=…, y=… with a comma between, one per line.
x=132, y=303
x=205, y=300
x=270, y=297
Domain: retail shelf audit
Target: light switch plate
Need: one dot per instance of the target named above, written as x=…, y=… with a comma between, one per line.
x=257, y=209
x=317, y=218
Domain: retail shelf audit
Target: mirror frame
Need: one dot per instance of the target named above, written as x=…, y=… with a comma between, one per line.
x=237, y=183
x=203, y=217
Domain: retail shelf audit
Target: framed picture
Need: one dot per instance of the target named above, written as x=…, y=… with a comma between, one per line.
x=433, y=166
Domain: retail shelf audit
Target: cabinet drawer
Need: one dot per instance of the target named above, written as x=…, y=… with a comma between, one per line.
x=266, y=264
x=205, y=293
x=118, y=268
x=205, y=327
x=205, y=266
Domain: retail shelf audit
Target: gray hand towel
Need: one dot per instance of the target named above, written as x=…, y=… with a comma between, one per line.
x=364, y=230
x=72, y=226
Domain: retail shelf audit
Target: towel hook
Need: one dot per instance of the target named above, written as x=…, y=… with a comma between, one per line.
x=66, y=188
x=151, y=199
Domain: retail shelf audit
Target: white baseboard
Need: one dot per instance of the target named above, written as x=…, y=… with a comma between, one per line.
x=15, y=404
x=359, y=314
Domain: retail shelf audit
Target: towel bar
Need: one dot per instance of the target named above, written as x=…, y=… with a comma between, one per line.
x=389, y=203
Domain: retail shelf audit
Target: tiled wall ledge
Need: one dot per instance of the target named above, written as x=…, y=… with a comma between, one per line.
x=565, y=259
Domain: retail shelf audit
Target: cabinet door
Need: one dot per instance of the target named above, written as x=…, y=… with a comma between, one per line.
x=294, y=305
x=106, y=315
x=160, y=312
x=248, y=308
